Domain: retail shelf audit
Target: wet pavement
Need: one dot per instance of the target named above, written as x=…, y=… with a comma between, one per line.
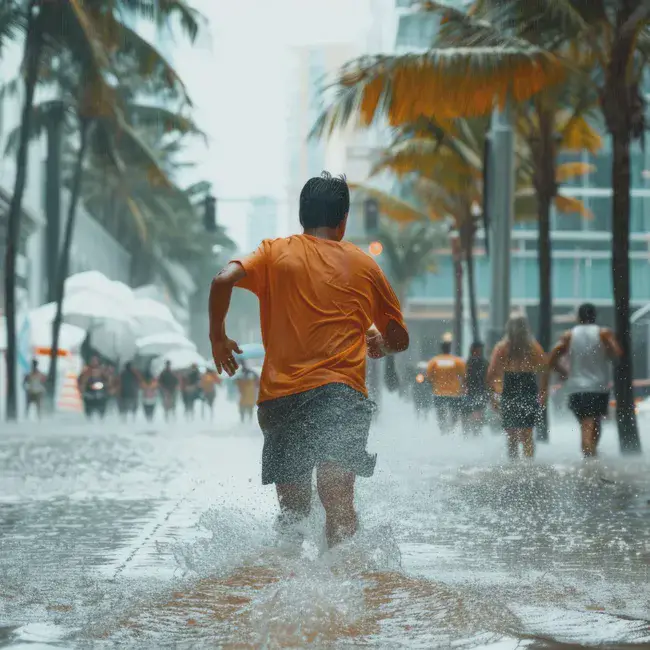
x=157, y=536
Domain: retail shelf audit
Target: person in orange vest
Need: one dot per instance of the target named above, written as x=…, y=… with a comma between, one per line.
x=446, y=373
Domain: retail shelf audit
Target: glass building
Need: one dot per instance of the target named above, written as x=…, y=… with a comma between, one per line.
x=581, y=247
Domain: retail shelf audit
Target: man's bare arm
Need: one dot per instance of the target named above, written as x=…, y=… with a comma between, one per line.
x=611, y=344
x=220, y=294
x=558, y=352
x=495, y=369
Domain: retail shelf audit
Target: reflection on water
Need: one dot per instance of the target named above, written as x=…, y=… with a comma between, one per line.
x=117, y=539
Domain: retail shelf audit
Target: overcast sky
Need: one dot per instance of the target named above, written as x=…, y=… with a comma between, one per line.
x=237, y=76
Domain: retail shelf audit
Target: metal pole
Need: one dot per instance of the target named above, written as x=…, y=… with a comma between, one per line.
x=53, y=201
x=501, y=191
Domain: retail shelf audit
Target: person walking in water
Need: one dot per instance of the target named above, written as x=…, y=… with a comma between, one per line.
x=446, y=373
x=34, y=384
x=517, y=361
x=168, y=383
x=319, y=297
x=476, y=397
x=248, y=385
x=149, y=386
x=590, y=349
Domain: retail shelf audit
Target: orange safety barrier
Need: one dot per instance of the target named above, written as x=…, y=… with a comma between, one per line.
x=47, y=352
x=69, y=398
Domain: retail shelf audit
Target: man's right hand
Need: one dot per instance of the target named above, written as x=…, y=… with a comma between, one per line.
x=375, y=343
x=222, y=353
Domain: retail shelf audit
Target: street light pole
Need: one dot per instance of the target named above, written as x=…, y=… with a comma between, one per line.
x=501, y=193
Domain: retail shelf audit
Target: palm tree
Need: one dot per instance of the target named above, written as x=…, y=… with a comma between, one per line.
x=449, y=166
x=33, y=46
x=613, y=36
x=90, y=34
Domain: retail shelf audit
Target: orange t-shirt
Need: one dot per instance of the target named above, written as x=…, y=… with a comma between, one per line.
x=317, y=300
x=446, y=373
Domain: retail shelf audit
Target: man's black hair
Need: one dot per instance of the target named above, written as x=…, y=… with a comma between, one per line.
x=446, y=347
x=587, y=314
x=324, y=201
x=477, y=345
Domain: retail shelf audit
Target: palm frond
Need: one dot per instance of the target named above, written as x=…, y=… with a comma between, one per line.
x=578, y=134
x=570, y=170
x=12, y=23
x=390, y=206
x=569, y=204
x=443, y=83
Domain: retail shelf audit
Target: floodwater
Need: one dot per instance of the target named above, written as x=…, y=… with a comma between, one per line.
x=161, y=537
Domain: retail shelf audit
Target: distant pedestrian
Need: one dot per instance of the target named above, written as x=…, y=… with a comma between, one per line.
x=168, y=382
x=209, y=382
x=129, y=391
x=149, y=386
x=34, y=385
x=517, y=361
x=446, y=373
x=476, y=390
x=191, y=389
x=590, y=349
x=248, y=384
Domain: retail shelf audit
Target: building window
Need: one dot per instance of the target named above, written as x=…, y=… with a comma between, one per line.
x=566, y=221
x=601, y=206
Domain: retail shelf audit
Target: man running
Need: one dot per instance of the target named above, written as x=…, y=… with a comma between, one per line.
x=591, y=349
x=319, y=297
x=446, y=372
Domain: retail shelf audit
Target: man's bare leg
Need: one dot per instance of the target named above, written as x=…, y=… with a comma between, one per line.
x=528, y=442
x=513, y=443
x=295, y=502
x=336, y=492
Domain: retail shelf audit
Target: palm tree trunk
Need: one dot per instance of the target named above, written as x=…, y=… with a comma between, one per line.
x=33, y=48
x=471, y=286
x=546, y=189
x=625, y=414
x=65, y=257
x=458, y=297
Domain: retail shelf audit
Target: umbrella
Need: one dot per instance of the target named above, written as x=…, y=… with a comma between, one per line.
x=70, y=338
x=250, y=351
x=95, y=282
x=179, y=359
x=153, y=317
x=86, y=281
x=115, y=339
x=160, y=344
x=83, y=309
x=112, y=332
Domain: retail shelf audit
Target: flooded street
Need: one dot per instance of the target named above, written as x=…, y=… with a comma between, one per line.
x=161, y=536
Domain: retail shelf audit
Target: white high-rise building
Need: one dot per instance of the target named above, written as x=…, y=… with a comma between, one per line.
x=262, y=221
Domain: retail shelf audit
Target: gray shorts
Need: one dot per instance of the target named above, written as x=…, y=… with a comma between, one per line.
x=326, y=424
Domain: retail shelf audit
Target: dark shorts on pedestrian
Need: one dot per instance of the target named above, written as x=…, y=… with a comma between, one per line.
x=519, y=404
x=589, y=405
x=328, y=424
x=127, y=404
x=475, y=403
x=449, y=405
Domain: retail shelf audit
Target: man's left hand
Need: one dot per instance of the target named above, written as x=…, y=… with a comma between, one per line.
x=374, y=343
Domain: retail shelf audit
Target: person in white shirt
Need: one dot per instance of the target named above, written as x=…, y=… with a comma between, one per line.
x=590, y=350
